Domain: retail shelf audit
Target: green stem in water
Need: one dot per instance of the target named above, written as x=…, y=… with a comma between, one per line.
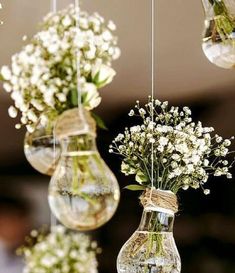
x=75, y=183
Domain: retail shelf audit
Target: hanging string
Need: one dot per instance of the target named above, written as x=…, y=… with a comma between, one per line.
x=152, y=85
x=53, y=218
x=53, y=6
x=78, y=63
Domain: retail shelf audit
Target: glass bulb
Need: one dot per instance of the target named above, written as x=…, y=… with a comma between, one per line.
x=83, y=192
x=152, y=248
x=218, y=41
x=41, y=150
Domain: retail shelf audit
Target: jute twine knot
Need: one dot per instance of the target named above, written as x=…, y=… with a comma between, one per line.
x=163, y=199
x=75, y=122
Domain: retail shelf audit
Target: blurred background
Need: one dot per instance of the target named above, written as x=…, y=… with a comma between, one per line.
x=205, y=225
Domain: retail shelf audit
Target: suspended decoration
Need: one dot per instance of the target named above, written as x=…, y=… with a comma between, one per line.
x=166, y=152
x=219, y=32
x=83, y=192
x=42, y=79
x=59, y=251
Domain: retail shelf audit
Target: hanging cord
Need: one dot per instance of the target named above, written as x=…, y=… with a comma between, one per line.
x=78, y=57
x=78, y=65
x=152, y=89
x=53, y=6
x=53, y=218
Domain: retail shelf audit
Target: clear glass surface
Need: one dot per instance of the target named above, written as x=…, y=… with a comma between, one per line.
x=41, y=149
x=152, y=248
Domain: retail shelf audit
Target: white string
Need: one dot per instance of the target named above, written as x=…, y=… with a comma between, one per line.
x=152, y=86
x=53, y=218
x=53, y=6
x=78, y=63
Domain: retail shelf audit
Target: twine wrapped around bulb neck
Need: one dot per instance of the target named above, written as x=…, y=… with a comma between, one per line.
x=163, y=199
x=73, y=122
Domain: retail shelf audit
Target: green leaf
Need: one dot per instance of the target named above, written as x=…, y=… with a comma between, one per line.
x=135, y=187
x=73, y=97
x=141, y=177
x=100, y=123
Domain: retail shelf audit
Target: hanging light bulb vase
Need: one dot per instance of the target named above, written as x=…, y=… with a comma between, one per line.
x=152, y=248
x=83, y=192
x=218, y=41
x=41, y=149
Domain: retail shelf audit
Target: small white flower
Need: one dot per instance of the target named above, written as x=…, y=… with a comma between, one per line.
x=163, y=141
x=206, y=191
x=111, y=25
x=107, y=36
x=6, y=73
x=12, y=112
x=7, y=87
x=30, y=128
x=206, y=162
x=66, y=21
x=131, y=113
x=61, y=97
x=142, y=112
x=227, y=142
x=91, y=53
x=219, y=139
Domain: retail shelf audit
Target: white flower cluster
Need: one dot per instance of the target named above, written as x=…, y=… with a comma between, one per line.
x=61, y=252
x=43, y=76
x=183, y=153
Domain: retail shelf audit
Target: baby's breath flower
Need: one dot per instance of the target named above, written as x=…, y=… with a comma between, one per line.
x=183, y=153
x=12, y=111
x=60, y=251
x=47, y=66
x=206, y=191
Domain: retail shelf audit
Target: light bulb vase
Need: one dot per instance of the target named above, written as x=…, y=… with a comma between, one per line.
x=83, y=192
x=152, y=248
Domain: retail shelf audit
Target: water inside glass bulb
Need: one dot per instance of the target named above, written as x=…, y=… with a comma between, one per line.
x=218, y=42
x=41, y=149
x=83, y=192
x=152, y=248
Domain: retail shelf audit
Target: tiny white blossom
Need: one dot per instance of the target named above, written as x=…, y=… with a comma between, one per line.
x=206, y=191
x=12, y=111
x=6, y=73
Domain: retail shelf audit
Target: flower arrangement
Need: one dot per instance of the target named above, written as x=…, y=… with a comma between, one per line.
x=42, y=78
x=182, y=153
x=59, y=252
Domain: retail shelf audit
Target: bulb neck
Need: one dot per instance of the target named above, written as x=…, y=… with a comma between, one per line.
x=82, y=144
x=156, y=219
